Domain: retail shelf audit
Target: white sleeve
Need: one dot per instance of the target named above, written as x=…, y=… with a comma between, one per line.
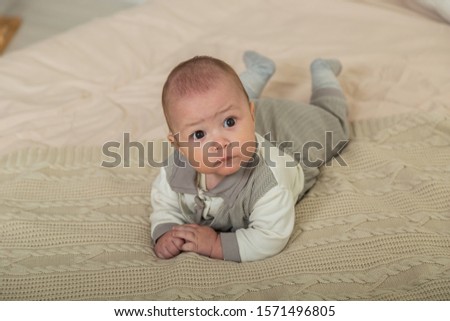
x=166, y=212
x=270, y=226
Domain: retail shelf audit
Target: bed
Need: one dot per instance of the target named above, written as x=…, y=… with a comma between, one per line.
x=377, y=229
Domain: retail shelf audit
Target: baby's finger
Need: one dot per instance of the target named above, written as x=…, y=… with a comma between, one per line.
x=177, y=242
x=167, y=250
x=172, y=249
x=187, y=235
x=189, y=247
x=162, y=253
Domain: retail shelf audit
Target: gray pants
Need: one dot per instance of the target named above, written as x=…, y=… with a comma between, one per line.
x=311, y=133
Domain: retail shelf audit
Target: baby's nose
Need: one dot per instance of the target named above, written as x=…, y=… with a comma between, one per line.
x=219, y=144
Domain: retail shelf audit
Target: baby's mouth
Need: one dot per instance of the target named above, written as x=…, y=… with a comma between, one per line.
x=226, y=160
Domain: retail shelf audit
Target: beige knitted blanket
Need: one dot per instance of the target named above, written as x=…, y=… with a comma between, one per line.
x=376, y=229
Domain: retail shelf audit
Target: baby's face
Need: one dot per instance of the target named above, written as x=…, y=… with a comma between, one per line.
x=214, y=130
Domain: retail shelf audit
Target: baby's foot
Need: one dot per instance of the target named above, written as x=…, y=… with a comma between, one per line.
x=332, y=64
x=258, y=71
x=258, y=63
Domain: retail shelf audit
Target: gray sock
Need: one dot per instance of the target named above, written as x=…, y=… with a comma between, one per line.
x=324, y=73
x=258, y=71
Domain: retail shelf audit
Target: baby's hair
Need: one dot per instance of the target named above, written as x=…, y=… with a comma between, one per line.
x=197, y=75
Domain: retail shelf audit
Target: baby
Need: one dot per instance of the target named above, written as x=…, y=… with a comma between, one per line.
x=240, y=163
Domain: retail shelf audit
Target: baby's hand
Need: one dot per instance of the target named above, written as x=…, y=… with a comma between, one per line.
x=168, y=246
x=199, y=239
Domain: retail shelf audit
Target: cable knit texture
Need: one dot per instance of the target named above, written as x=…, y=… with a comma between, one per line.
x=376, y=229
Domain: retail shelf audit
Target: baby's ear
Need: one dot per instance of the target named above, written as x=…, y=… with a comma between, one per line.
x=172, y=139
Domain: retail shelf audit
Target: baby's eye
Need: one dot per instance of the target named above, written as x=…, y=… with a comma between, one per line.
x=198, y=134
x=229, y=122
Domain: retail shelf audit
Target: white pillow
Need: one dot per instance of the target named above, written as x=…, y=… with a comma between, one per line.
x=439, y=7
